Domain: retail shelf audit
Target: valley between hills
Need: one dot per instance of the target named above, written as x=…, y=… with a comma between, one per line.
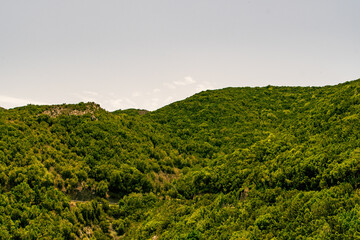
x=235, y=163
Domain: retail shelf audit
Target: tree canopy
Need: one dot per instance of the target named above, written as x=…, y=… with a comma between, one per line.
x=235, y=163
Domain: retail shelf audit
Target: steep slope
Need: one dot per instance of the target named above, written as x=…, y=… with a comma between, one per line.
x=271, y=146
x=306, y=128
x=235, y=163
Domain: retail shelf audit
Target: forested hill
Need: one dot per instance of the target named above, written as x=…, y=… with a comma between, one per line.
x=236, y=163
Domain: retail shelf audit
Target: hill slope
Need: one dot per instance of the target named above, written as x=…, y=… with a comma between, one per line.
x=235, y=163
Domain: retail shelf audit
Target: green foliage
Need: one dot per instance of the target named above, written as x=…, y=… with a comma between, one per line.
x=235, y=163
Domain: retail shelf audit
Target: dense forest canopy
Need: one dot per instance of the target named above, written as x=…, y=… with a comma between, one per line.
x=236, y=163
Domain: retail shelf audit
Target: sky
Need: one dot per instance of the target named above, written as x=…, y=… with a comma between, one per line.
x=146, y=54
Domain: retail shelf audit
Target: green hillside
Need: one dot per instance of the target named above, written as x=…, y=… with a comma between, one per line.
x=235, y=163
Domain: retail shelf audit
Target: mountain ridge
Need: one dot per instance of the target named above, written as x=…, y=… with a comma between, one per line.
x=245, y=87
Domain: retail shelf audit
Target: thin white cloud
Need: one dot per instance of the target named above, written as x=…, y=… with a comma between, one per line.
x=189, y=80
x=204, y=86
x=150, y=99
x=186, y=81
x=10, y=102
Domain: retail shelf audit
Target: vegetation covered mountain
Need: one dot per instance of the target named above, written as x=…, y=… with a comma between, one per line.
x=235, y=163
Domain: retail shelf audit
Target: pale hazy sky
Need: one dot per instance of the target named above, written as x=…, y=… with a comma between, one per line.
x=146, y=54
